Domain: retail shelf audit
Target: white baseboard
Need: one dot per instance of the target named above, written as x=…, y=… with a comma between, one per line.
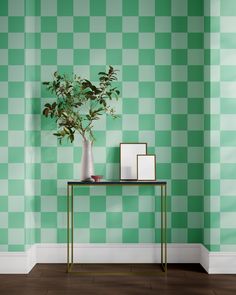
x=18, y=262
x=218, y=262
x=23, y=262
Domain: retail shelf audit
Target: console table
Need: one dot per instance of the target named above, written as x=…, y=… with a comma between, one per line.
x=70, y=214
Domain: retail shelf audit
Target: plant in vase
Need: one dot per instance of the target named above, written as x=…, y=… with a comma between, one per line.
x=78, y=104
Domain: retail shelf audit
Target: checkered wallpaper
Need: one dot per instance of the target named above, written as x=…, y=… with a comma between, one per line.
x=220, y=124
x=158, y=47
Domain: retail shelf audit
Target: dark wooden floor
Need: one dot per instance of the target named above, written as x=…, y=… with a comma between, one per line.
x=51, y=279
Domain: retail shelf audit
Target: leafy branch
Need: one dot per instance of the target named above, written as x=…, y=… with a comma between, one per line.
x=79, y=103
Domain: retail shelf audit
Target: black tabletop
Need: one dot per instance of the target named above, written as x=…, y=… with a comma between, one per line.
x=118, y=182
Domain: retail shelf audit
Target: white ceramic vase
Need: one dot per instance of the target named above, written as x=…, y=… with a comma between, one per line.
x=87, y=165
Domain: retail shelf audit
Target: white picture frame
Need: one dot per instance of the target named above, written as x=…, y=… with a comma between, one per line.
x=146, y=167
x=128, y=159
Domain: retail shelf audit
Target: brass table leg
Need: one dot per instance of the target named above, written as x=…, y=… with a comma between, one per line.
x=161, y=226
x=163, y=229
x=70, y=227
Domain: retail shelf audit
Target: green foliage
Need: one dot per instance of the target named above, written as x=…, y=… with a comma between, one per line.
x=79, y=103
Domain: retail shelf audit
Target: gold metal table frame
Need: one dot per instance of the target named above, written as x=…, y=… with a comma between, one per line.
x=70, y=214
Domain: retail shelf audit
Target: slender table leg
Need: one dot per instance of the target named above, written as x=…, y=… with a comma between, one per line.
x=68, y=228
x=165, y=226
x=161, y=225
x=72, y=225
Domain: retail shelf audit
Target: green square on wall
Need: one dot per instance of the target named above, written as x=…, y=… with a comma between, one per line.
x=61, y=235
x=4, y=10
x=16, y=219
x=163, y=73
x=48, y=155
x=146, y=24
x=114, y=24
x=146, y=122
x=48, y=56
x=98, y=40
x=179, y=154
x=64, y=8
x=195, y=138
x=97, y=7
x=146, y=89
x=48, y=219
x=195, y=40
x=97, y=235
x=179, y=89
x=3, y=171
x=81, y=57
x=146, y=56
x=130, y=40
x=98, y=203
x=195, y=8
x=16, y=89
x=48, y=187
x=130, y=106
x=16, y=187
x=179, y=24
x=163, y=8
x=114, y=56
x=163, y=106
x=4, y=138
x=65, y=171
x=4, y=73
x=64, y=40
x=16, y=24
x=130, y=8
x=113, y=123
x=164, y=170
x=195, y=73
x=114, y=220
x=195, y=203
x=16, y=122
x=179, y=220
x=48, y=24
x=4, y=40
x=179, y=187
x=195, y=171
x=163, y=40
x=130, y=236
x=81, y=24
x=130, y=73
x=3, y=202
x=130, y=136
x=81, y=219
x=179, y=122
x=3, y=236
x=179, y=56
x=163, y=138
x=62, y=203
x=146, y=220
x=16, y=56
x=130, y=203
x=195, y=235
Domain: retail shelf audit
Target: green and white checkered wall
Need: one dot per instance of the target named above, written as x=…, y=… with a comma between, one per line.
x=158, y=47
x=220, y=114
